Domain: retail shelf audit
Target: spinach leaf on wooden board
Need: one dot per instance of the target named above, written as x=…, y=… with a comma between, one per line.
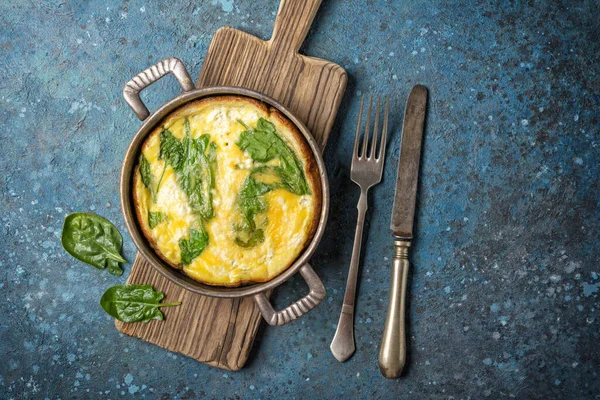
x=155, y=218
x=93, y=240
x=194, y=246
x=133, y=303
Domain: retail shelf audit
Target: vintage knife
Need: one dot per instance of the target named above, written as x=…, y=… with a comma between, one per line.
x=392, y=352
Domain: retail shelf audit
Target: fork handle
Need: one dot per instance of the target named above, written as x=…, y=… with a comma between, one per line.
x=342, y=346
x=392, y=352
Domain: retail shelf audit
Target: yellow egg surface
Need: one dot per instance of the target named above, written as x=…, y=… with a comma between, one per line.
x=227, y=189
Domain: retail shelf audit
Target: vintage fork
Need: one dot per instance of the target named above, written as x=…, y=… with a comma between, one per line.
x=366, y=171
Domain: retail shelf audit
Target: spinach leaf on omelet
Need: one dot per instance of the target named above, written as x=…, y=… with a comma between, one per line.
x=194, y=246
x=264, y=144
x=194, y=162
x=252, y=203
x=156, y=218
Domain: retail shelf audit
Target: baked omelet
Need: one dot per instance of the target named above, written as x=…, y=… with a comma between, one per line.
x=227, y=190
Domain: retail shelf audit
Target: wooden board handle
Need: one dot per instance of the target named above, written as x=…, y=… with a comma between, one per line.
x=293, y=20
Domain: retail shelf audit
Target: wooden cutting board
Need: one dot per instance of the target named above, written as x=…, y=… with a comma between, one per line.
x=220, y=332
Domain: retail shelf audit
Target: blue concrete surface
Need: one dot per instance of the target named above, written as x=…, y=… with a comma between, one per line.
x=505, y=287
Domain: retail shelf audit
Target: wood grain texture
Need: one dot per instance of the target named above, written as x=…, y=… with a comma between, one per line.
x=220, y=332
x=310, y=88
x=217, y=332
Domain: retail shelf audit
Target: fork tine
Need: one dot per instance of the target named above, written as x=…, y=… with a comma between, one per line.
x=373, y=150
x=384, y=131
x=357, y=137
x=363, y=152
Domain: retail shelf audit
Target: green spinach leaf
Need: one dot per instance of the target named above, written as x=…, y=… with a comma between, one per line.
x=93, y=240
x=160, y=180
x=249, y=238
x=146, y=174
x=148, y=178
x=194, y=246
x=155, y=218
x=212, y=160
x=194, y=162
x=264, y=144
x=195, y=175
x=133, y=303
x=251, y=203
x=250, y=198
x=191, y=159
x=171, y=149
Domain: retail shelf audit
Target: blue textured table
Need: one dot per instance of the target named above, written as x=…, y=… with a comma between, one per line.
x=504, y=291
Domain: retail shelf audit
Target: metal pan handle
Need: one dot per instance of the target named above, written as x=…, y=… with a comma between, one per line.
x=300, y=307
x=132, y=89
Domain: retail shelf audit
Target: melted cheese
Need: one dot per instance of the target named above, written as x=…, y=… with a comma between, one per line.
x=223, y=262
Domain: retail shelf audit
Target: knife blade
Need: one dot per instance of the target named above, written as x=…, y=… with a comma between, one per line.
x=403, y=211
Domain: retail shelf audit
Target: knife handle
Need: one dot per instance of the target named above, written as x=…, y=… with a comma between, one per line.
x=392, y=352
